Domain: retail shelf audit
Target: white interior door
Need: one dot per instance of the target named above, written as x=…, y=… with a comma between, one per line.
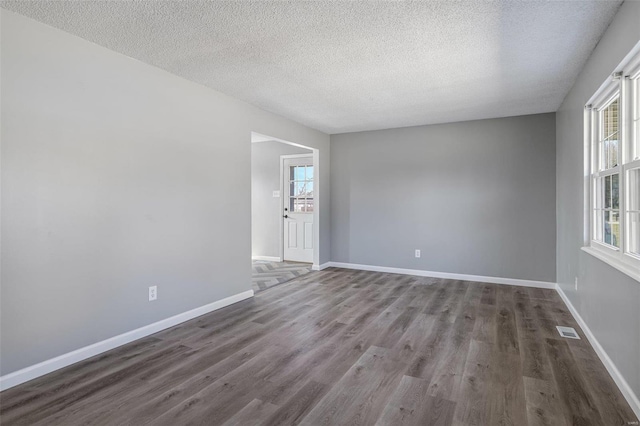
x=298, y=204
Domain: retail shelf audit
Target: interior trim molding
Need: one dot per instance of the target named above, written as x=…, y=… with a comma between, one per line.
x=615, y=374
x=325, y=265
x=267, y=258
x=445, y=275
x=29, y=373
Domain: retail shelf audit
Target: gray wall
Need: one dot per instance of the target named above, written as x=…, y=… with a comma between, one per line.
x=266, y=211
x=475, y=197
x=116, y=176
x=606, y=299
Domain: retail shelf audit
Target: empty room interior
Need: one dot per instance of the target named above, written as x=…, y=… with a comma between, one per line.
x=320, y=212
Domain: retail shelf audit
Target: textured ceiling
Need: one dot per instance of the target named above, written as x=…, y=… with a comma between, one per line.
x=342, y=66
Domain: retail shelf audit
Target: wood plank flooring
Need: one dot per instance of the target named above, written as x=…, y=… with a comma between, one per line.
x=343, y=347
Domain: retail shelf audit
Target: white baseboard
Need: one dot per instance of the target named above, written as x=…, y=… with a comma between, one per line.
x=29, y=373
x=445, y=275
x=617, y=377
x=321, y=267
x=267, y=258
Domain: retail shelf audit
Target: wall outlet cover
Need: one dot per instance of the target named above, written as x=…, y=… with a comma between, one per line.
x=153, y=293
x=417, y=253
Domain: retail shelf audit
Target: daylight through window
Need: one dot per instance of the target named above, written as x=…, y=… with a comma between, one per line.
x=613, y=132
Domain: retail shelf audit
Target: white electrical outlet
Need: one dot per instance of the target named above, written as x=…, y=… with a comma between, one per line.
x=153, y=293
x=417, y=253
x=276, y=194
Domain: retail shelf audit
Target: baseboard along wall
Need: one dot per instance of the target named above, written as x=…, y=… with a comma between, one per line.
x=445, y=275
x=29, y=373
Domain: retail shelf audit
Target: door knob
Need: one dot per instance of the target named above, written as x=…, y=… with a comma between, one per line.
x=286, y=216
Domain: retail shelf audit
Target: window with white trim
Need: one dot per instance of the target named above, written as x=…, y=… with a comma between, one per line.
x=633, y=166
x=613, y=133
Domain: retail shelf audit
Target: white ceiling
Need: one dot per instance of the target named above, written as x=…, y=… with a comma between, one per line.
x=342, y=66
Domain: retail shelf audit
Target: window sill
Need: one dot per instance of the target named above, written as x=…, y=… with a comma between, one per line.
x=626, y=269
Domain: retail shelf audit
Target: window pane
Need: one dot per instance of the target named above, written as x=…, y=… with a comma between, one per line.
x=610, y=119
x=309, y=189
x=612, y=192
x=309, y=205
x=609, y=136
x=634, y=190
x=598, y=194
x=300, y=189
x=296, y=205
x=309, y=175
x=296, y=173
x=612, y=228
x=635, y=154
x=615, y=191
x=612, y=155
x=300, y=173
x=633, y=222
x=609, y=152
x=599, y=227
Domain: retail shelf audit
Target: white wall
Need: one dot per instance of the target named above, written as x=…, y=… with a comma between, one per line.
x=476, y=197
x=607, y=299
x=266, y=211
x=116, y=176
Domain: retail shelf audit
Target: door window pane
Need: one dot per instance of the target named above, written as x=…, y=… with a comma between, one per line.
x=301, y=189
x=297, y=172
x=296, y=205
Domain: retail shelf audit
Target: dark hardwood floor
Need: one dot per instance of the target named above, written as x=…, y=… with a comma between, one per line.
x=344, y=347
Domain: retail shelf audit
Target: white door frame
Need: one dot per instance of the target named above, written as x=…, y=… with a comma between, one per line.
x=283, y=191
x=257, y=138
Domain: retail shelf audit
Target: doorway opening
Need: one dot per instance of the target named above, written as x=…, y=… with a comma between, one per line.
x=284, y=210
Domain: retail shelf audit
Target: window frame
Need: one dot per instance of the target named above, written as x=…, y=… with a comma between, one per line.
x=624, y=86
x=598, y=172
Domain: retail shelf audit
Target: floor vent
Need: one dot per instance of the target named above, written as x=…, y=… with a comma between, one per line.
x=568, y=332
